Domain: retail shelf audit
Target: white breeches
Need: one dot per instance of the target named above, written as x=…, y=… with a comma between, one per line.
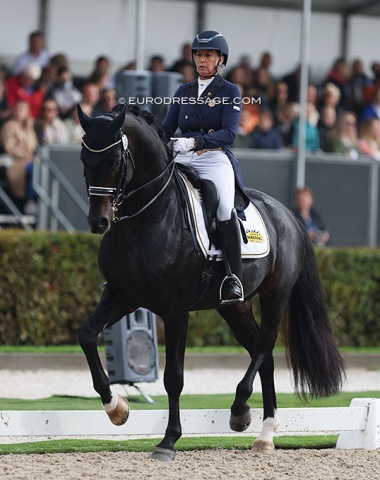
x=214, y=165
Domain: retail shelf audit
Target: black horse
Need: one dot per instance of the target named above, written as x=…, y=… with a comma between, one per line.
x=148, y=259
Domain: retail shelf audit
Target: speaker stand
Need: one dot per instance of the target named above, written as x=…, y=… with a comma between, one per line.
x=147, y=397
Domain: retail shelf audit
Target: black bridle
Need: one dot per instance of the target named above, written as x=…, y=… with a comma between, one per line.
x=119, y=193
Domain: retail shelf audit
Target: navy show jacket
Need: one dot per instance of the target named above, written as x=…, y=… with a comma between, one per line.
x=211, y=119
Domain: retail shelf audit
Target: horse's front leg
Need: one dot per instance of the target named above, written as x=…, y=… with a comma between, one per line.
x=175, y=341
x=106, y=313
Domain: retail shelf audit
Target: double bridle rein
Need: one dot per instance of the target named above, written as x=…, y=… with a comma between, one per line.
x=119, y=193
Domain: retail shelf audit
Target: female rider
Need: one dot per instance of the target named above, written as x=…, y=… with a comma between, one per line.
x=207, y=111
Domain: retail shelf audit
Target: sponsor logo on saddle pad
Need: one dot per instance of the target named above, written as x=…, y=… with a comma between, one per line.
x=253, y=236
x=256, y=232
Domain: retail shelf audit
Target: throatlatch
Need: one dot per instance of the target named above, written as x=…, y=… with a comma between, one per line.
x=231, y=289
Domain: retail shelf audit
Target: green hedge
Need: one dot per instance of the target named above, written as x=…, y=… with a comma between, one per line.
x=50, y=283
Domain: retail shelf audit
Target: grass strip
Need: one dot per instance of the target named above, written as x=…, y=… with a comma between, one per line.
x=148, y=444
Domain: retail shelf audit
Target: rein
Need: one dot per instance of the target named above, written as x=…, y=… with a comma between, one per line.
x=118, y=192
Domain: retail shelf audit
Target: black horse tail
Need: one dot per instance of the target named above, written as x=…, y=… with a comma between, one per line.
x=318, y=367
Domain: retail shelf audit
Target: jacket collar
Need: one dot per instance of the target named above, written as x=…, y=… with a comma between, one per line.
x=210, y=90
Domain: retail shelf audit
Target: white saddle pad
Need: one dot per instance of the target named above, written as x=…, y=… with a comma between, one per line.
x=258, y=241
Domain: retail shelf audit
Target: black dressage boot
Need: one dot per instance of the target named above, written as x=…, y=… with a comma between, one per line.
x=231, y=289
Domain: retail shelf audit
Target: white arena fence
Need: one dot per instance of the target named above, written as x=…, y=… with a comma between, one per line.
x=358, y=425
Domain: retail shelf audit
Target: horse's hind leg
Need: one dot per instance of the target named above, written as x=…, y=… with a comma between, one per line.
x=259, y=342
x=106, y=313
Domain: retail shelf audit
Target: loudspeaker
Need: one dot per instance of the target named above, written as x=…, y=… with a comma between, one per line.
x=164, y=86
x=131, y=348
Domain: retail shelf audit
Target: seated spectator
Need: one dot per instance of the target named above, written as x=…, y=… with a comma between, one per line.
x=74, y=129
x=330, y=97
x=311, y=131
x=36, y=53
x=286, y=117
x=4, y=109
x=18, y=139
x=101, y=75
x=325, y=127
x=343, y=138
x=372, y=110
x=264, y=86
x=106, y=103
x=310, y=218
x=338, y=76
x=358, y=82
x=279, y=100
x=64, y=92
x=157, y=64
x=265, y=135
x=369, y=138
x=90, y=95
x=49, y=126
x=185, y=59
x=292, y=80
x=23, y=87
x=242, y=138
x=187, y=71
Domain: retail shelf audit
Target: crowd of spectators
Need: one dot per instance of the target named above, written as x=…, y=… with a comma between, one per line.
x=38, y=98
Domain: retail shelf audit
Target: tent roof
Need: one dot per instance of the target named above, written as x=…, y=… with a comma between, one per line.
x=344, y=7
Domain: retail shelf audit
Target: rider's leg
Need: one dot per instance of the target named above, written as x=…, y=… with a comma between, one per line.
x=216, y=166
x=231, y=290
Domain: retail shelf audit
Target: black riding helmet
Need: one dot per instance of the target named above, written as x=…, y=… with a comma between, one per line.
x=211, y=40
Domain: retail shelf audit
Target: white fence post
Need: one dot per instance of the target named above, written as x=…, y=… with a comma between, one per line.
x=368, y=438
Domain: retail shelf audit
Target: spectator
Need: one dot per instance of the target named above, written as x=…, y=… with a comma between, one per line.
x=292, y=80
x=106, y=103
x=343, y=138
x=312, y=97
x=64, y=92
x=156, y=64
x=185, y=59
x=265, y=135
x=338, y=75
x=325, y=127
x=23, y=87
x=19, y=140
x=242, y=138
x=101, y=74
x=49, y=127
x=187, y=71
x=279, y=100
x=90, y=95
x=311, y=132
x=264, y=86
x=74, y=129
x=372, y=110
x=4, y=109
x=310, y=218
x=358, y=82
x=36, y=54
x=286, y=118
x=369, y=138
x=331, y=98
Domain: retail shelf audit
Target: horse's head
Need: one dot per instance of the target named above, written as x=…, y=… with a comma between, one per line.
x=105, y=158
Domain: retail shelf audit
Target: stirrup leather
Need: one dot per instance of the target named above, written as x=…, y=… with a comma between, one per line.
x=231, y=297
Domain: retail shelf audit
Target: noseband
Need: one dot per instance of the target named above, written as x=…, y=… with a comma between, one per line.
x=118, y=193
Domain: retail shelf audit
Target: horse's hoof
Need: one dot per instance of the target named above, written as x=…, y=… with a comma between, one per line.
x=263, y=446
x=240, y=423
x=162, y=454
x=117, y=409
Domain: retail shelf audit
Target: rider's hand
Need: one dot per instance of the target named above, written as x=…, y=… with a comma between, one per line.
x=183, y=145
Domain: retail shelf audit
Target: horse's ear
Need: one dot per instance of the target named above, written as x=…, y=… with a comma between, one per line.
x=119, y=120
x=84, y=119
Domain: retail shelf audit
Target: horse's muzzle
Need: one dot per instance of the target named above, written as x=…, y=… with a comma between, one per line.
x=98, y=225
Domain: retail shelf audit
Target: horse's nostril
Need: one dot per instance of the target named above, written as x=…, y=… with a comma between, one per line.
x=103, y=223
